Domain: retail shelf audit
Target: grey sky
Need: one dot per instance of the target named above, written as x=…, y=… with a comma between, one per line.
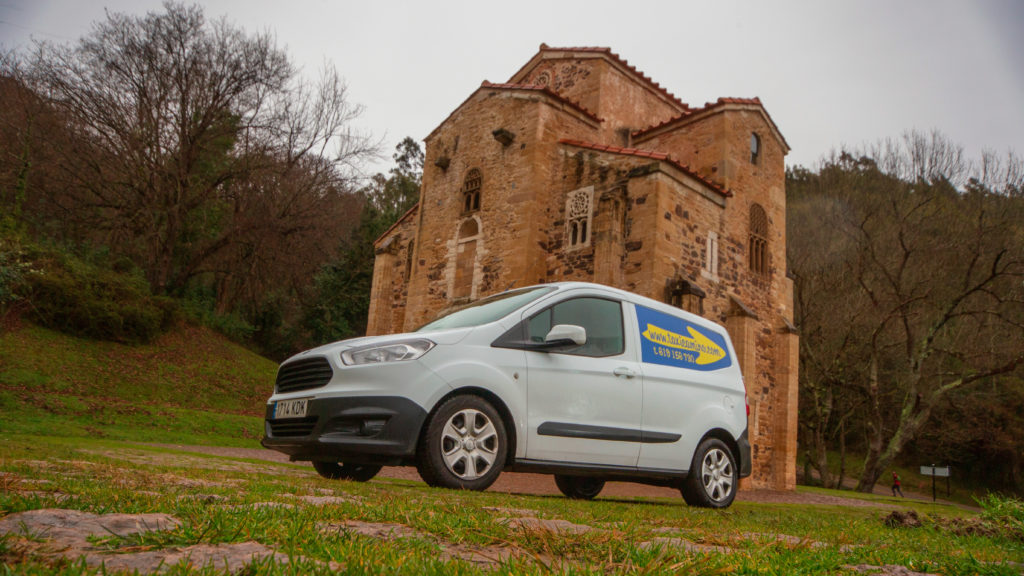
x=829, y=73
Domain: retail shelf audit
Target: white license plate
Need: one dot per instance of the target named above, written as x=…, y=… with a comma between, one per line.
x=290, y=408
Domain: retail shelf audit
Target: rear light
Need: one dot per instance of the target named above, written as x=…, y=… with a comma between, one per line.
x=747, y=405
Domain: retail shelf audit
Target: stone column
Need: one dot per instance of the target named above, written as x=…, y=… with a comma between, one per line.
x=607, y=237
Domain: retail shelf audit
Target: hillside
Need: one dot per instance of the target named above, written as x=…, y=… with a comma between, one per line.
x=189, y=385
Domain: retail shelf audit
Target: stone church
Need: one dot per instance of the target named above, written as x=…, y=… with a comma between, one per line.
x=580, y=167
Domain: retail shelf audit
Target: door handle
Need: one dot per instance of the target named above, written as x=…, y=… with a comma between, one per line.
x=623, y=371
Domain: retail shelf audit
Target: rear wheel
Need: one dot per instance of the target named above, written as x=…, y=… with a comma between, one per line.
x=463, y=445
x=339, y=471
x=713, y=476
x=579, y=487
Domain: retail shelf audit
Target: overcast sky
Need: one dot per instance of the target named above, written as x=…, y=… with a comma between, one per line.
x=829, y=73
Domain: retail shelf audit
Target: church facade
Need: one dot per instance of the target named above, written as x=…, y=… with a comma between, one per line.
x=580, y=167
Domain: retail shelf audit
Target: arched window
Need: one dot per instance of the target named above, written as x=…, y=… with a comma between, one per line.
x=758, y=244
x=465, y=258
x=471, y=191
x=755, y=148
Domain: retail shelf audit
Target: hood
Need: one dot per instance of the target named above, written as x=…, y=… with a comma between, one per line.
x=442, y=337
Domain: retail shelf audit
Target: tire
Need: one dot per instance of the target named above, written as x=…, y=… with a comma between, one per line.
x=463, y=445
x=339, y=471
x=579, y=487
x=713, y=477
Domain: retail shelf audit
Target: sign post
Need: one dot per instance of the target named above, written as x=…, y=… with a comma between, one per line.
x=936, y=471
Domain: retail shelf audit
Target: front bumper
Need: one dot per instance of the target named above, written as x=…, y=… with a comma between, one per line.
x=362, y=429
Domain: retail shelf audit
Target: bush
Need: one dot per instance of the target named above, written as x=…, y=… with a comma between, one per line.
x=14, y=268
x=94, y=301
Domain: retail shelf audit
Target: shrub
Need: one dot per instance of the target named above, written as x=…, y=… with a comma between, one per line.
x=93, y=301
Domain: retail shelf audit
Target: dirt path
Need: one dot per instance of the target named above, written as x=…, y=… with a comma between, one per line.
x=543, y=484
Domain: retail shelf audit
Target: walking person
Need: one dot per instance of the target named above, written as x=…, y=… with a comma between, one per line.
x=896, y=485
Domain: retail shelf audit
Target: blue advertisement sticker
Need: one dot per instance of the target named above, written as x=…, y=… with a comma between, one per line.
x=672, y=341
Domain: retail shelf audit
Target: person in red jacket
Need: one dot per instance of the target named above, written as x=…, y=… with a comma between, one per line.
x=896, y=485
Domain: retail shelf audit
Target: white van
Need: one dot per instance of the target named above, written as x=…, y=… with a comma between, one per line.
x=582, y=381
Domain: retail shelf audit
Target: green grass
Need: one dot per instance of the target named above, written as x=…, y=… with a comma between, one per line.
x=76, y=413
x=104, y=476
x=189, y=386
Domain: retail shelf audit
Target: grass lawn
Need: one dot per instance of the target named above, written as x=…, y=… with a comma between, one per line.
x=402, y=527
x=75, y=412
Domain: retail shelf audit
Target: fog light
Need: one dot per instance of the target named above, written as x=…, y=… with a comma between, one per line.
x=372, y=427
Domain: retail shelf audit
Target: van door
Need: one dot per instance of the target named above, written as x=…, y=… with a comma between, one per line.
x=584, y=404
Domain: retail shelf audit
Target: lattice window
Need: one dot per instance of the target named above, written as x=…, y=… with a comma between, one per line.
x=758, y=245
x=578, y=216
x=471, y=190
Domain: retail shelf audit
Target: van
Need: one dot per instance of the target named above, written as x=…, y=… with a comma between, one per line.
x=582, y=381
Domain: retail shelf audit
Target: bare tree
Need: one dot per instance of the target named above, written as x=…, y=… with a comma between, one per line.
x=191, y=138
x=929, y=291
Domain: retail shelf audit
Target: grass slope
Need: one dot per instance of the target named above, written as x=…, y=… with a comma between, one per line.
x=189, y=386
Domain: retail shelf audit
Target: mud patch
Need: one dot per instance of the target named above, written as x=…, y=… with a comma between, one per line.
x=902, y=519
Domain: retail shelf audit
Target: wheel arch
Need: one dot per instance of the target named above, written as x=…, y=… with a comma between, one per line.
x=494, y=400
x=733, y=445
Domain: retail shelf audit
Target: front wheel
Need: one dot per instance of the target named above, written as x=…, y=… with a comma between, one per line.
x=579, y=487
x=712, y=481
x=463, y=445
x=339, y=471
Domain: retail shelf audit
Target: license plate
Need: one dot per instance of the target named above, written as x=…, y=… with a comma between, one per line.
x=290, y=408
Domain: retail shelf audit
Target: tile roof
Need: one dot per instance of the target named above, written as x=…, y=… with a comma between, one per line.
x=618, y=59
x=648, y=154
x=707, y=107
x=546, y=91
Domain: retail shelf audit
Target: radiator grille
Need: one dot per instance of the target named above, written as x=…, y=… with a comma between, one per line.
x=304, y=374
x=292, y=427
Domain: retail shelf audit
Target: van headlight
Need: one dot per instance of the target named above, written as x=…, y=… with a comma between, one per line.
x=391, y=352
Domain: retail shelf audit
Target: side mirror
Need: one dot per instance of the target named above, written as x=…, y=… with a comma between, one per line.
x=566, y=335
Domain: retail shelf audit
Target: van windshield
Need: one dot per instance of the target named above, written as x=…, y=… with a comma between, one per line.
x=487, y=309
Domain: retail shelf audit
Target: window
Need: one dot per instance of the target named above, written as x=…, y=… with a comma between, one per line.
x=578, y=217
x=711, y=255
x=602, y=319
x=465, y=258
x=758, y=245
x=755, y=148
x=471, y=191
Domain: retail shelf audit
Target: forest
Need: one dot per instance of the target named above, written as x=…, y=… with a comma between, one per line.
x=169, y=167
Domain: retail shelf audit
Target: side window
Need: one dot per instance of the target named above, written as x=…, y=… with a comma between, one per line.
x=602, y=319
